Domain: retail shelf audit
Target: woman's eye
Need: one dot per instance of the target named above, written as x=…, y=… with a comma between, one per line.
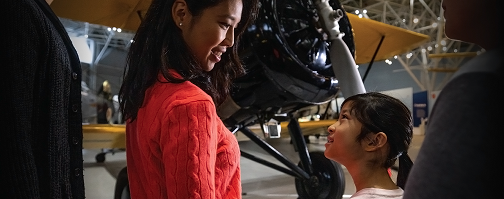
x=225, y=25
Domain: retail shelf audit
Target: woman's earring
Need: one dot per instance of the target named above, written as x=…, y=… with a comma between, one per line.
x=180, y=24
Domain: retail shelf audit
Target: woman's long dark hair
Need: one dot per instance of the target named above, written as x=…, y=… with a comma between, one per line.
x=158, y=46
x=382, y=113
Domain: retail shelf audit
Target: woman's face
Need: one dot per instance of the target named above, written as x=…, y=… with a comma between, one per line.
x=342, y=145
x=210, y=34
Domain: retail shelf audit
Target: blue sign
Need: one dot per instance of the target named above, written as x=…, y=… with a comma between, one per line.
x=420, y=107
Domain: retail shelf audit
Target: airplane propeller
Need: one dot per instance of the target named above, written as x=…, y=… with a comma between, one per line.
x=343, y=63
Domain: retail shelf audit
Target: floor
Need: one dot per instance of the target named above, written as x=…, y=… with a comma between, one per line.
x=258, y=181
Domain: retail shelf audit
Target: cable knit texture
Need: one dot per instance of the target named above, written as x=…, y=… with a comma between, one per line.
x=179, y=148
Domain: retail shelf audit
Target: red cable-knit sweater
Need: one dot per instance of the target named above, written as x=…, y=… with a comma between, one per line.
x=179, y=148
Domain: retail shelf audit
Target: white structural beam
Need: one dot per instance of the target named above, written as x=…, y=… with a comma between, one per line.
x=422, y=16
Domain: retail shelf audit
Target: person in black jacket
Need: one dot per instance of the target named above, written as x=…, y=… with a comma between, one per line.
x=40, y=105
x=461, y=153
x=104, y=104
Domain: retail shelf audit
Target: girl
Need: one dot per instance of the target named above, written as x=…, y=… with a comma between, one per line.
x=373, y=130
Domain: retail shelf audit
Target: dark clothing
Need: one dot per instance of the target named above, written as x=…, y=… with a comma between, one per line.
x=102, y=105
x=461, y=154
x=101, y=115
x=40, y=105
x=101, y=111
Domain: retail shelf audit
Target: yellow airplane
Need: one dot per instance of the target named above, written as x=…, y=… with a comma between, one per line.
x=103, y=136
x=127, y=15
x=371, y=40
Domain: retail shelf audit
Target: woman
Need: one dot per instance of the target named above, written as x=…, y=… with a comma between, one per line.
x=180, y=66
x=372, y=132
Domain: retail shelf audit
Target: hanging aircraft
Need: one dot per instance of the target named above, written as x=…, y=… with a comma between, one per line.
x=292, y=63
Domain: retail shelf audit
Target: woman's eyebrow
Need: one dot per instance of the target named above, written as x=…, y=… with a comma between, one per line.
x=227, y=16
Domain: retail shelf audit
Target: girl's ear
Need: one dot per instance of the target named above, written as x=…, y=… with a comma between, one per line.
x=179, y=12
x=375, y=141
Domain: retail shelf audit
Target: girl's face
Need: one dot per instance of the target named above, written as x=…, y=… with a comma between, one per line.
x=342, y=145
x=210, y=34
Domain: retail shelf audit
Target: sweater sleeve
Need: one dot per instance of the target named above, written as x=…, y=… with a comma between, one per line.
x=21, y=54
x=189, y=147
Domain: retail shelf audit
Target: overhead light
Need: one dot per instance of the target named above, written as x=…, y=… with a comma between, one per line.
x=388, y=62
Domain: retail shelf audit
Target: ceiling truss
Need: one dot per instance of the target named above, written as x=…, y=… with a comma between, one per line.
x=439, y=55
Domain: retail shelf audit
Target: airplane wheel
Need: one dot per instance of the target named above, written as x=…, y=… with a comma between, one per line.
x=122, y=185
x=328, y=180
x=100, y=157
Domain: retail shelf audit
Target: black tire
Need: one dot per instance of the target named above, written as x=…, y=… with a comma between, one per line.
x=100, y=157
x=329, y=181
x=122, y=185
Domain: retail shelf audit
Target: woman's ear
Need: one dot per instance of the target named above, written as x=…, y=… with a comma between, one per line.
x=375, y=141
x=179, y=12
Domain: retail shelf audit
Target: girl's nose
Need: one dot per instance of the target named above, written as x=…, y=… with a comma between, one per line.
x=331, y=129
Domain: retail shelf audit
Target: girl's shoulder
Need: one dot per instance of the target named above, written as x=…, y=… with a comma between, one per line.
x=378, y=193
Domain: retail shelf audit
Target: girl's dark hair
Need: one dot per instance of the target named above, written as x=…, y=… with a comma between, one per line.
x=382, y=113
x=158, y=46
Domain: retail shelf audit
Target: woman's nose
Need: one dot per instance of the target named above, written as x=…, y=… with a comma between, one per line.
x=229, y=40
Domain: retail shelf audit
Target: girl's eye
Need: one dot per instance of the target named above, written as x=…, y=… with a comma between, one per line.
x=343, y=116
